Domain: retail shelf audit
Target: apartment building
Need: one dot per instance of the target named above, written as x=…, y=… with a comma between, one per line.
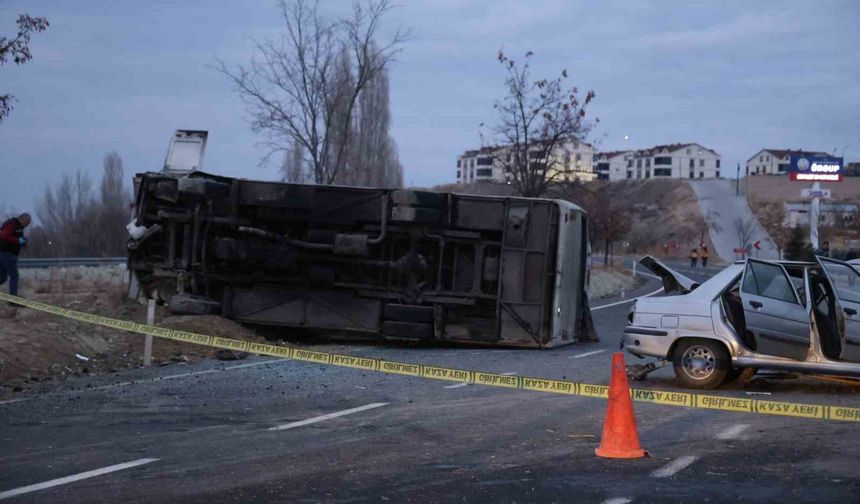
x=677, y=161
x=612, y=165
x=570, y=160
x=480, y=165
x=775, y=161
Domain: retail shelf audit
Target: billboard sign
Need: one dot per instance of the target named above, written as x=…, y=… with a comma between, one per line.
x=821, y=193
x=815, y=168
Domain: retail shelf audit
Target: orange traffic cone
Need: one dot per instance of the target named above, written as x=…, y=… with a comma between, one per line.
x=619, y=439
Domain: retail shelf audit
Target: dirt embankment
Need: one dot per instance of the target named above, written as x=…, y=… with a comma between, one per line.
x=38, y=347
x=663, y=213
x=610, y=281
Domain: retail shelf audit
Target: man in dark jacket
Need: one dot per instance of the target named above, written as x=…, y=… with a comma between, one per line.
x=12, y=240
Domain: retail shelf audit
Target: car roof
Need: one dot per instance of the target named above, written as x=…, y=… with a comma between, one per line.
x=786, y=263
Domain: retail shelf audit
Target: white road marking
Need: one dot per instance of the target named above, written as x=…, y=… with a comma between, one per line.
x=10, y=401
x=185, y=375
x=674, y=466
x=329, y=416
x=617, y=500
x=75, y=477
x=509, y=373
x=626, y=300
x=733, y=432
x=586, y=354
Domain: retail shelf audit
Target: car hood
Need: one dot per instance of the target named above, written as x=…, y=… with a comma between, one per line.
x=672, y=280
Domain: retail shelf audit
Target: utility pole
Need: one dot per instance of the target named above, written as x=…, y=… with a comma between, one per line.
x=813, y=215
x=738, y=182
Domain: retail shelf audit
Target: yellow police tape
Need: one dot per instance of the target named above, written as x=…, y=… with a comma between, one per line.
x=686, y=399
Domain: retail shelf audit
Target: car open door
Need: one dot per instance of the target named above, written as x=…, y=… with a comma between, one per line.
x=672, y=280
x=779, y=322
x=846, y=282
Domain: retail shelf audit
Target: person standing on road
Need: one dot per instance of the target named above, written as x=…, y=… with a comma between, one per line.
x=825, y=249
x=12, y=240
x=704, y=256
x=694, y=257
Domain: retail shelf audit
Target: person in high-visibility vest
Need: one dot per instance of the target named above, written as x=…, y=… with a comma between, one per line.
x=704, y=256
x=694, y=258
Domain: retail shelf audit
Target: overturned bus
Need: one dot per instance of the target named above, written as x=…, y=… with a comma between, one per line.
x=392, y=263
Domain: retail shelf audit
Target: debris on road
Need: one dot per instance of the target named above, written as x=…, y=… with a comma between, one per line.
x=229, y=355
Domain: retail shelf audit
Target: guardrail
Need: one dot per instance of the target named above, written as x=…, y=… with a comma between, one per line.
x=52, y=262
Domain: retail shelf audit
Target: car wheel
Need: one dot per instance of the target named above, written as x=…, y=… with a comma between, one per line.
x=701, y=363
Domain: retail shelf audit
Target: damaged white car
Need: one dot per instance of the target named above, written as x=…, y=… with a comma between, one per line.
x=780, y=315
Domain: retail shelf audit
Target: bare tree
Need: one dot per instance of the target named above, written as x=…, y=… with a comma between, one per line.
x=112, y=210
x=744, y=230
x=536, y=119
x=66, y=212
x=18, y=50
x=343, y=138
x=772, y=217
x=613, y=224
x=75, y=222
x=375, y=161
x=293, y=168
x=609, y=218
x=294, y=90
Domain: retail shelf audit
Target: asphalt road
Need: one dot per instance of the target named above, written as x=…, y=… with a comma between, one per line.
x=204, y=433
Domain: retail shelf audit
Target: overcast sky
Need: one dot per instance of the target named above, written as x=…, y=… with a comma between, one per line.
x=735, y=77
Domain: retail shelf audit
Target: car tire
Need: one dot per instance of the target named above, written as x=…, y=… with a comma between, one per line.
x=701, y=363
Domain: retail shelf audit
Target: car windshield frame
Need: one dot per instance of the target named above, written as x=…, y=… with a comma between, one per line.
x=759, y=292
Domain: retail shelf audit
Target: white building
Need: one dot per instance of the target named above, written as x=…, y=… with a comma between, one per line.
x=775, y=161
x=829, y=214
x=479, y=165
x=612, y=165
x=677, y=161
x=572, y=160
